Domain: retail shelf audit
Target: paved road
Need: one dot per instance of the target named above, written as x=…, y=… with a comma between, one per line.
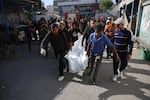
x=30, y=76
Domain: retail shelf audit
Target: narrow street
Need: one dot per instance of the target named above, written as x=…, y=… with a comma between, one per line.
x=29, y=76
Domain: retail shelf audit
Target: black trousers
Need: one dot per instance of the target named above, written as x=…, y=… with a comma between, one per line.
x=93, y=66
x=120, y=64
x=109, y=51
x=62, y=62
x=29, y=42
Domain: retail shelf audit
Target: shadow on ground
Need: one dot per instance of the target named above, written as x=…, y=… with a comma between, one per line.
x=130, y=85
x=29, y=76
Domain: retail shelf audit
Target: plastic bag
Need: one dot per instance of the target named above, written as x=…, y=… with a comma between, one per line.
x=77, y=58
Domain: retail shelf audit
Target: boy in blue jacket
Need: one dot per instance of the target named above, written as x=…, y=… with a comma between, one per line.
x=96, y=46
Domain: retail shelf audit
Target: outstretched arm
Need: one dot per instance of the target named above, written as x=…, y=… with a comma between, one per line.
x=88, y=49
x=45, y=41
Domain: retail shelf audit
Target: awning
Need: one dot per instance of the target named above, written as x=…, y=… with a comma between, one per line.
x=115, y=11
x=146, y=3
x=12, y=4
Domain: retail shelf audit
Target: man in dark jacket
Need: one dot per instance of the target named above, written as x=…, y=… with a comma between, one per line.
x=87, y=32
x=74, y=32
x=124, y=45
x=43, y=32
x=57, y=39
x=28, y=32
x=66, y=34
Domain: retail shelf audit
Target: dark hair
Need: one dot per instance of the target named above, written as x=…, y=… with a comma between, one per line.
x=75, y=23
x=55, y=25
x=99, y=28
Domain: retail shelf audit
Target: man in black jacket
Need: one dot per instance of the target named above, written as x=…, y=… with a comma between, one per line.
x=43, y=32
x=66, y=35
x=87, y=32
x=28, y=32
x=58, y=41
x=74, y=32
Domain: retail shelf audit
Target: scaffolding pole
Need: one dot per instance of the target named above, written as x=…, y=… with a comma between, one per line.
x=32, y=12
x=4, y=17
x=132, y=9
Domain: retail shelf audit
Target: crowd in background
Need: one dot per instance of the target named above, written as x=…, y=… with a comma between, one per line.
x=62, y=34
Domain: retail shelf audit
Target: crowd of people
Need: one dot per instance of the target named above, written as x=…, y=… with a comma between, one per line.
x=62, y=34
x=97, y=33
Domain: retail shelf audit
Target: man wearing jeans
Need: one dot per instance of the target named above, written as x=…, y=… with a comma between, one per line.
x=96, y=46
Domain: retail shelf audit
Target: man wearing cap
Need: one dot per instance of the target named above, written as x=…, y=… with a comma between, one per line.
x=96, y=46
x=123, y=43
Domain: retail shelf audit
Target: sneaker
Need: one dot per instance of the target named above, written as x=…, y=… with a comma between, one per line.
x=93, y=83
x=120, y=75
x=115, y=78
x=61, y=78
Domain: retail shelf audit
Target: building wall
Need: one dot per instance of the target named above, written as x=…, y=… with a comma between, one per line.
x=14, y=17
x=60, y=5
x=50, y=9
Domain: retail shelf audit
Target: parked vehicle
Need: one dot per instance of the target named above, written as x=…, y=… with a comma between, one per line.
x=21, y=33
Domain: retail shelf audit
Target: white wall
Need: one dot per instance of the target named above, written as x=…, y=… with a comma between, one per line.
x=50, y=9
x=77, y=2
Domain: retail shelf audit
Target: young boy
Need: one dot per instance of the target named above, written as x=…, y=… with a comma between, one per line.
x=96, y=46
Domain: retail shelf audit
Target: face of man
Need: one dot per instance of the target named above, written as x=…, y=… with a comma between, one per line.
x=55, y=30
x=92, y=23
x=73, y=26
x=98, y=33
x=120, y=26
x=108, y=23
x=62, y=26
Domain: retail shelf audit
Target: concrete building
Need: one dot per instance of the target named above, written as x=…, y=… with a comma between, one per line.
x=55, y=3
x=82, y=7
x=50, y=9
x=12, y=11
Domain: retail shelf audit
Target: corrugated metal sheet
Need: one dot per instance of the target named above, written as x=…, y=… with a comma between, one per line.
x=12, y=4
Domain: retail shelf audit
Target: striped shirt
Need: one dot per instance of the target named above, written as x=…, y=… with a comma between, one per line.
x=122, y=40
